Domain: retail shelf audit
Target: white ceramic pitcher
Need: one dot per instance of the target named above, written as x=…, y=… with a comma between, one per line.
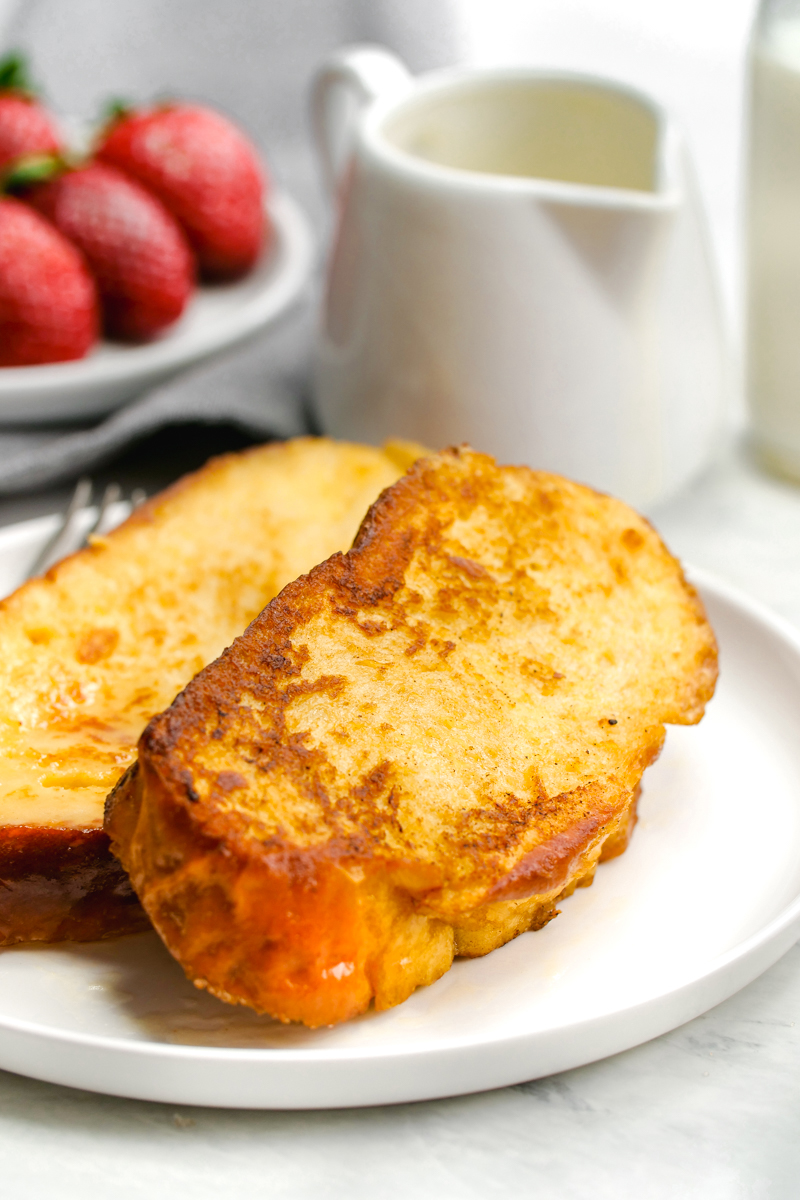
x=520, y=263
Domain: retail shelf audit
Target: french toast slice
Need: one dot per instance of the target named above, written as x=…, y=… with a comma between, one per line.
x=416, y=748
x=110, y=635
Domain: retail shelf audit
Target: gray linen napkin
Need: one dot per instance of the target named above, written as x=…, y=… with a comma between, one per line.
x=261, y=390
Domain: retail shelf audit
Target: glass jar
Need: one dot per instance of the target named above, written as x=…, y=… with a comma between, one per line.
x=773, y=235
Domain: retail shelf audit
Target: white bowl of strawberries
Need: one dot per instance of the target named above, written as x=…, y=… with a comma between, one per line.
x=163, y=248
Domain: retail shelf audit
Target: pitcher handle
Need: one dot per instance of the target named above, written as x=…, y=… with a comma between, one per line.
x=346, y=82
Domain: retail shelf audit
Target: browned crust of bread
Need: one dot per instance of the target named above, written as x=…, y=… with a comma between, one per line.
x=58, y=881
x=63, y=885
x=282, y=882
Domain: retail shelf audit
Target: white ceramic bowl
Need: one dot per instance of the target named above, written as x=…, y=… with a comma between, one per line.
x=216, y=319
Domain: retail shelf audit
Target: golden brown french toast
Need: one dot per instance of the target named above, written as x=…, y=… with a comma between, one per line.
x=417, y=747
x=107, y=638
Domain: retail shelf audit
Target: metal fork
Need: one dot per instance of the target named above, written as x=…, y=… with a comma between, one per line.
x=73, y=532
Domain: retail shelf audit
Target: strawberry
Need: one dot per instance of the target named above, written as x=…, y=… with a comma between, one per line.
x=206, y=173
x=48, y=300
x=134, y=248
x=25, y=127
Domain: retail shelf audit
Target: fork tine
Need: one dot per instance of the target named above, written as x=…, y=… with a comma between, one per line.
x=71, y=534
x=111, y=496
x=64, y=539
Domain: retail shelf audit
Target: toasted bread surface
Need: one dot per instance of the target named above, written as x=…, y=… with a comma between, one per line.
x=416, y=748
x=109, y=636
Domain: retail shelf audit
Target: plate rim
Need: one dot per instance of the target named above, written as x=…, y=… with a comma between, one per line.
x=764, y=940
x=290, y=262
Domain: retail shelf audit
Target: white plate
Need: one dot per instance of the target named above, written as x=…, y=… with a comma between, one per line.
x=706, y=898
x=216, y=319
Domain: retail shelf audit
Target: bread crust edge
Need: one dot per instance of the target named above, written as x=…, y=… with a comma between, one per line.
x=61, y=885
x=316, y=935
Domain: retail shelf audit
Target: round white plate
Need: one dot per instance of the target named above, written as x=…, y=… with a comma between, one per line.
x=217, y=318
x=706, y=898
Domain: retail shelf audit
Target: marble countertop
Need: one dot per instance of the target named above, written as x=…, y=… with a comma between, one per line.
x=707, y=1112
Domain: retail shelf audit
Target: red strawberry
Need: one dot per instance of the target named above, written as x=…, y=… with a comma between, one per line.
x=135, y=249
x=207, y=174
x=48, y=300
x=25, y=127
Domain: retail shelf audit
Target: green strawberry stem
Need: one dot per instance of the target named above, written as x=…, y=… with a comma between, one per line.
x=14, y=74
x=114, y=110
x=34, y=168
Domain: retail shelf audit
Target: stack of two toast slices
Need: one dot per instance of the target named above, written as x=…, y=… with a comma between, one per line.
x=410, y=754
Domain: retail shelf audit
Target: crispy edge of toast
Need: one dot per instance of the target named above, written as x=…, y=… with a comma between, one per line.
x=63, y=885
x=356, y=918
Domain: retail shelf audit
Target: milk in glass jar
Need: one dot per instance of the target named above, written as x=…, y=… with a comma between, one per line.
x=773, y=225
